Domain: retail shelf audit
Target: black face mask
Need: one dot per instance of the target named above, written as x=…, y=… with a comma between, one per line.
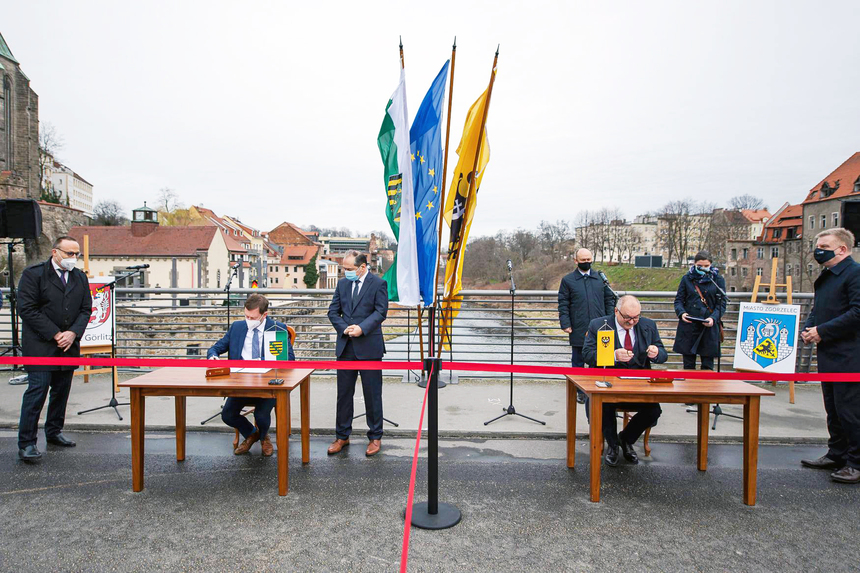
x=584, y=267
x=821, y=256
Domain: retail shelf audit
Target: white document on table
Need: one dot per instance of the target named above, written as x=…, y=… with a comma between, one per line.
x=249, y=370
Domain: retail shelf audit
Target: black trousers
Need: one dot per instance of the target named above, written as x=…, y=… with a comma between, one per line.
x=59, y=382
x=371, y=384
x=690, y=362
x=842, y=405
x=646, y=417
x=231, y=414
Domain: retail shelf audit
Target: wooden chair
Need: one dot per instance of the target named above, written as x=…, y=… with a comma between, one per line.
x=292, y=334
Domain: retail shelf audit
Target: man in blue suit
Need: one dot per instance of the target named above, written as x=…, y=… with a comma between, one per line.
x=244, y=341
x=359, y=306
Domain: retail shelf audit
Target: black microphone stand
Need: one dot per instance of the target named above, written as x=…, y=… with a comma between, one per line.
x=717, y=411
x=510, y=410
x=113, y=401
x=233, y=272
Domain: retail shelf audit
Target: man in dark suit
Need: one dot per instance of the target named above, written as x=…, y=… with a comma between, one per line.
x=637, y=346
x=359, y=306
x=582, y=297
x=55, y=305
x=244, y=341
x=834, y=324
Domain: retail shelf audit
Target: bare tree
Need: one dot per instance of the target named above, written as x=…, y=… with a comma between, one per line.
x=677, y=223
x=746, y=201
x=523, y=243
x=553, y=235
x=50, y=143
x=168, y=200
x=629, y=241
x=109, y=213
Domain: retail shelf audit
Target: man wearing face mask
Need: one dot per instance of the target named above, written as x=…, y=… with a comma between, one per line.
x=834, y=325
x=582, y=297
x=359, y=306
x=244, y=341
x=55, y=305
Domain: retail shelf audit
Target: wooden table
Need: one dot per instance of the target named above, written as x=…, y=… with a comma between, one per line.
x=700, y=392
x=184, y=382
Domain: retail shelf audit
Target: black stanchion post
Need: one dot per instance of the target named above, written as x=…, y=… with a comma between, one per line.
x=432, y=514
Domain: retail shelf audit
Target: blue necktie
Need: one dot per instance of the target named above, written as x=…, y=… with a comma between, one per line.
x=255, y=345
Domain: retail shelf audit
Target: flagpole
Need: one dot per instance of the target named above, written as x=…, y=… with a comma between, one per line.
x=442, y=198
x=478, y=150
x=402, y=64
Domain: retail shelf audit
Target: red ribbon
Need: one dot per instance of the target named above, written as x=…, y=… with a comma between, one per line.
x=459, y=366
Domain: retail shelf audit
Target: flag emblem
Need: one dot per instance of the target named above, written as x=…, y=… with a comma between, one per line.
x=276, y=347
x=767, y=340
x=395, y=193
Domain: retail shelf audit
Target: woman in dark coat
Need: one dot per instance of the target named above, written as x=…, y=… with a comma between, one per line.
x=695, y=337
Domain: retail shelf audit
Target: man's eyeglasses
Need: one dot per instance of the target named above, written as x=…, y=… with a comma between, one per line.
x=630, y=318
x=70, y=253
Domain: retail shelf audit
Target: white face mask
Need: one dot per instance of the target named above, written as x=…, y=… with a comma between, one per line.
x=69, y=264
x=252, y=324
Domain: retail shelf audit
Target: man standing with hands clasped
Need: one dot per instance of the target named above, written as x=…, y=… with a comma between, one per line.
x=834, y=325
x=582, y=297
x=55, y=305
x=359, y=306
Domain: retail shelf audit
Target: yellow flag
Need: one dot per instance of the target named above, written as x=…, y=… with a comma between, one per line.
x=460, y=207
x=606, y=347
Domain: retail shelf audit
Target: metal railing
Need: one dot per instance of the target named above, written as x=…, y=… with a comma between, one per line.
x=183, y=323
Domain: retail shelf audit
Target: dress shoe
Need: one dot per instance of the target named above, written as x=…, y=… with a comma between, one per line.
x=822, y=463
x=373, y=447
x=611, y=456
x=29, y=454
x=246, y=444
x=60, y=440
x=337, y=445
x=266, y=444
x=236, y=440
x=846, y=475
x=580, y=397
x=629, y=452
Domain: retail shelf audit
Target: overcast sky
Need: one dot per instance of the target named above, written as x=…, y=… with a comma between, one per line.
x=269, y=111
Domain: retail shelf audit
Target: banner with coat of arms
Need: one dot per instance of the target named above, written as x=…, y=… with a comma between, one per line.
x=100, y=329
x=767, y=337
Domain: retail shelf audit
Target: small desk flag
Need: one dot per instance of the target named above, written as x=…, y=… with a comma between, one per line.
x=606, y=347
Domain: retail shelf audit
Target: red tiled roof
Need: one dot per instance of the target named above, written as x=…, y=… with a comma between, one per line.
x=756, y=215
x=162, y=242
x=232, y=244
x=840, y=183
x=305, y=252
x=792, y=216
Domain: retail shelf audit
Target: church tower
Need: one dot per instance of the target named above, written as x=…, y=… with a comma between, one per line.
x=19, y=130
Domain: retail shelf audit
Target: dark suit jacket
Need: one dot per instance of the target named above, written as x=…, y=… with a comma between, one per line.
x=47, y=307
x=367, y=312
x=233, y=342
x=645, y=332
x=836, y=314
x=695, y=337
x=581, y=299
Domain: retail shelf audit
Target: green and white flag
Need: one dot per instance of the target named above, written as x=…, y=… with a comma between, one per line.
x=393, y=144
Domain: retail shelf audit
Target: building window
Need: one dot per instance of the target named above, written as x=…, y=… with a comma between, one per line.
x=295, y=281
x=774, y=252
x=824, y=221
x=746, y=253
x=218, y=278
x=6, y=124
x=733, y=271
x=759, y=272
x=760, y=253
x=732, y=289
x=787, y=270
x=734, y=253
x=857, y=185
x=296, y=269
x=777, y=233
x=811, y=221
x=835, y=219
x=743, y=271
x=809, y=268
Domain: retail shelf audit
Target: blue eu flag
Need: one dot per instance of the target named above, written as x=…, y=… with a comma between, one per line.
x=425, y=139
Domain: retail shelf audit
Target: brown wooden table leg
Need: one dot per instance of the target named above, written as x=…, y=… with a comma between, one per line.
x=571, y=424
x=751, y=422
x=180, y=428
x=596, y=435
x=282, y=415
x=702, y=435
x=137, y=427
x=305, y=397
